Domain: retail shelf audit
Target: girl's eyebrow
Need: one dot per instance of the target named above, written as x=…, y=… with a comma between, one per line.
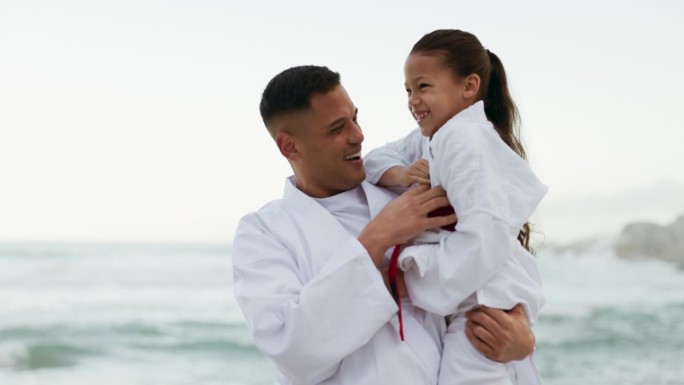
x=416, y=79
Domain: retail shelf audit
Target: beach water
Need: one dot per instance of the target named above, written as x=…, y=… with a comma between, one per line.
x=165, y=314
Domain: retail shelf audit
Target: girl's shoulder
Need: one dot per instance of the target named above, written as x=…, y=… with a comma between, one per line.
x=463, y=134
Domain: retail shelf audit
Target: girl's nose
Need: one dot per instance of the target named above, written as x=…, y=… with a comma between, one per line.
x=413, y=100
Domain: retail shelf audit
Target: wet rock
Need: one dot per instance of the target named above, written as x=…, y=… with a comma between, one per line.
x=643, y=239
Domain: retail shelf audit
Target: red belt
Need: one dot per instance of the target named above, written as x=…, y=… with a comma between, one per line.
x=393, y=269
x=392, y=276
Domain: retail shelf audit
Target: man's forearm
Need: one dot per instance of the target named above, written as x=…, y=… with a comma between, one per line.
x=500, y=335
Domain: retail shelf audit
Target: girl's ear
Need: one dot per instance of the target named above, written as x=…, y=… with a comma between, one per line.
x=472, y=86
x=287, y=145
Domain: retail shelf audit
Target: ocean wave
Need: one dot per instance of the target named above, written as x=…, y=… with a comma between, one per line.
x=655, y=327
x=34, y=356
x=210, y=346
x=27, y=347
x=53, y=250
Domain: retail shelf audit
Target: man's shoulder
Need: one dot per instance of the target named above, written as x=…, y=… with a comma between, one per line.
x=261, y=227
x=270, y=209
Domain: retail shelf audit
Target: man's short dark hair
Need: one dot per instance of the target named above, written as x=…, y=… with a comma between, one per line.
x=291, y=90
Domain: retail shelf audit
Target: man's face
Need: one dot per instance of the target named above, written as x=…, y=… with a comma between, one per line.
x=328, y=140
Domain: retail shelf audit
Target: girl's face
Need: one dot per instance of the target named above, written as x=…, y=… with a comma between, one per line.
x=434, y=93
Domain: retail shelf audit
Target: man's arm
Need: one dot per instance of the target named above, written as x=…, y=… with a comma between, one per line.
x=500, y=335
x=300, y=317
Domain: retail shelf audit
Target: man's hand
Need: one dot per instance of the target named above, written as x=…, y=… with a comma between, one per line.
x=404, y=218
x=500, y=335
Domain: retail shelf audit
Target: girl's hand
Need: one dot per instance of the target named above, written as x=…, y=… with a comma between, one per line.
x=417, y=172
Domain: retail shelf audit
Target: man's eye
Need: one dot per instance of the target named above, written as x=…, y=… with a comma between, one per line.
x=336, y=130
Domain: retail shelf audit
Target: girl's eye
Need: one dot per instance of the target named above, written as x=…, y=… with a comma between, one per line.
x=422, y=85
x=408, y=92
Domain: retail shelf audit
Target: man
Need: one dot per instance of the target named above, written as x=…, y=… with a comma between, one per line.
x=307, y=268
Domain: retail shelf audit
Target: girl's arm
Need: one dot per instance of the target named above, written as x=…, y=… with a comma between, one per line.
x=398, y=176
x=393, y=164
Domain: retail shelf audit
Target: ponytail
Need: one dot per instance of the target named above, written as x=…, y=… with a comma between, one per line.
x=500, y=108
x=502, y=112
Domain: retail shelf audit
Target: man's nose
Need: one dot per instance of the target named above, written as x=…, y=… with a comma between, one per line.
x=356, y=135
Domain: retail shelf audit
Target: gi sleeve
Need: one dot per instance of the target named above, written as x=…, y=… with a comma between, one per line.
x=306, y=324
x=402, y=153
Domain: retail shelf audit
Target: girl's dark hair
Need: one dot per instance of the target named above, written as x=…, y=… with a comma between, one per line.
x=463, y=53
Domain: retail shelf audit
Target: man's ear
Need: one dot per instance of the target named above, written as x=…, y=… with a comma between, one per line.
x=472, y=86
x=287, y=146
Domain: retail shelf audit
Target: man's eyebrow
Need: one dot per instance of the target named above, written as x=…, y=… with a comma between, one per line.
x=341, y=120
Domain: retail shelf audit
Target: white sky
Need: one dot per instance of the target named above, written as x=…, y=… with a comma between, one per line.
x=138, y=120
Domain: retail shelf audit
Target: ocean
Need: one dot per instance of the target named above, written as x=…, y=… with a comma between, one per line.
x=165, y=314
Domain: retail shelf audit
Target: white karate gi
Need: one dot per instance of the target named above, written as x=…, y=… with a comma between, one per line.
x=316, y=304
x=493, y=192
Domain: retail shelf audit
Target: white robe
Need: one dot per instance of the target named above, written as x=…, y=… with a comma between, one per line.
x=316, y=304
x=493, y=192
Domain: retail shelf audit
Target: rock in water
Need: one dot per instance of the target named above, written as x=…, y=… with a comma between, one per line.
x=652, y=240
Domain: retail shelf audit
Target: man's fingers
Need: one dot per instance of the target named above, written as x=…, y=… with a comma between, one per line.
x=425, y=194
x=434, y=192
x=497, y=315
x=430, y=200
x=478, y=344
x=482, y=333
x=435, y=222
x=419, y=191
x=504, y=317
x=437, y=202
x=482, y=316
x=506, y=332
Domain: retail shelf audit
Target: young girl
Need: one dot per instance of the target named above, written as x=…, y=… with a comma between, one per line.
x=458, y=95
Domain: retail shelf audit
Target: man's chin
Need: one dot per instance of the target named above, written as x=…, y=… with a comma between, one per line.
x=361, y=177
x=356, y=180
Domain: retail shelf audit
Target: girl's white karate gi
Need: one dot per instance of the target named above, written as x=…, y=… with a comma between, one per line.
x=494, y=192
x=316, y=304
